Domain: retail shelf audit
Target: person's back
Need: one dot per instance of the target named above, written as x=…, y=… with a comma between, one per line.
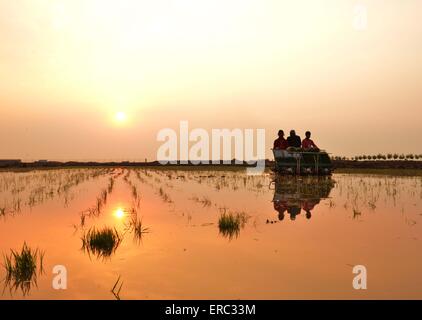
x=294, y=140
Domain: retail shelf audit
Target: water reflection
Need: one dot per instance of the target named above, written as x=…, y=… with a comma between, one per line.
x=132, y=243
x=294, y=194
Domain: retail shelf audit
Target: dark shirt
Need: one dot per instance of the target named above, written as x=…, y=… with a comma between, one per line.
x=294, y=141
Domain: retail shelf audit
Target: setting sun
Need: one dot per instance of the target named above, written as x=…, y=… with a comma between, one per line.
x=119, y=213
x=120, y=117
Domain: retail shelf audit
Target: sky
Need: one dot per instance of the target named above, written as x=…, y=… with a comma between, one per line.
x=98, y=79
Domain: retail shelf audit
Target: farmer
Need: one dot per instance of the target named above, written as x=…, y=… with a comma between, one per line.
x=280, y=143
x=294, y=140
x=308, y=144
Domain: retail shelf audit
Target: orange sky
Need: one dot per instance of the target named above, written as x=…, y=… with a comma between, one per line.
x=68, y=66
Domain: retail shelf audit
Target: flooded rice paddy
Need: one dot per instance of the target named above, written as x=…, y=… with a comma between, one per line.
x=198, y=234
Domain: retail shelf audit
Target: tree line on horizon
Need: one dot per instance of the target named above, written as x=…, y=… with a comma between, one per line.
x=389, y=156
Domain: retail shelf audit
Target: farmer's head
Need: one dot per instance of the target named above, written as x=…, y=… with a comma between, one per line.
x=280, y=133
x=308, y=134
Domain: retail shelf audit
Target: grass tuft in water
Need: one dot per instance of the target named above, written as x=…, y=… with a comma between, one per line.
x=102, y=243
x=230, y=223
x=22, y=268
x=136, y=227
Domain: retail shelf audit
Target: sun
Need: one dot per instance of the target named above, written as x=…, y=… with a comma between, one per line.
x=119, y=213
x=120, y=117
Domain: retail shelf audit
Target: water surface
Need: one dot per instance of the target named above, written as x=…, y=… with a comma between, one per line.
x=299, y=237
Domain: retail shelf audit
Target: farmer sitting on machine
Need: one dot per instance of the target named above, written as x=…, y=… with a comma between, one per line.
x=280, y=143
x=293, y=140
x=308, y=144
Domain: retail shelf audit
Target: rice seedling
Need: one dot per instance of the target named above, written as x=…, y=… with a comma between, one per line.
x=356, y=213
x=205, y=201
x=230, y=224
x=102, y=243
x=164, y=196
x=104, y=195
x=22, y=269
x=99, y=205
x=136, y=227
x=110, y=185
x=113, y=290
x=134, y=192
x=372, y=205
x=83, y=216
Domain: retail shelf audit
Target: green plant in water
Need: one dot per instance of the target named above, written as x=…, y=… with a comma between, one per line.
x=134, y=192
x=356, y=213
x=136, y=227
x=230, y=224
x=110, y=185
x=22, y=269
x=115, y=292
x=102, y=243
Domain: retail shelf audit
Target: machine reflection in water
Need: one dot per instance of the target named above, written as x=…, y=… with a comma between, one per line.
x=293, y=194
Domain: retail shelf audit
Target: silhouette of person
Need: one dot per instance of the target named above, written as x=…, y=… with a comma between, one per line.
x=280, y=143
x=280, y=207
x=308, y=206
x=308, y=144
x=294, y=140
x=294, y=211
x=308, y=215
